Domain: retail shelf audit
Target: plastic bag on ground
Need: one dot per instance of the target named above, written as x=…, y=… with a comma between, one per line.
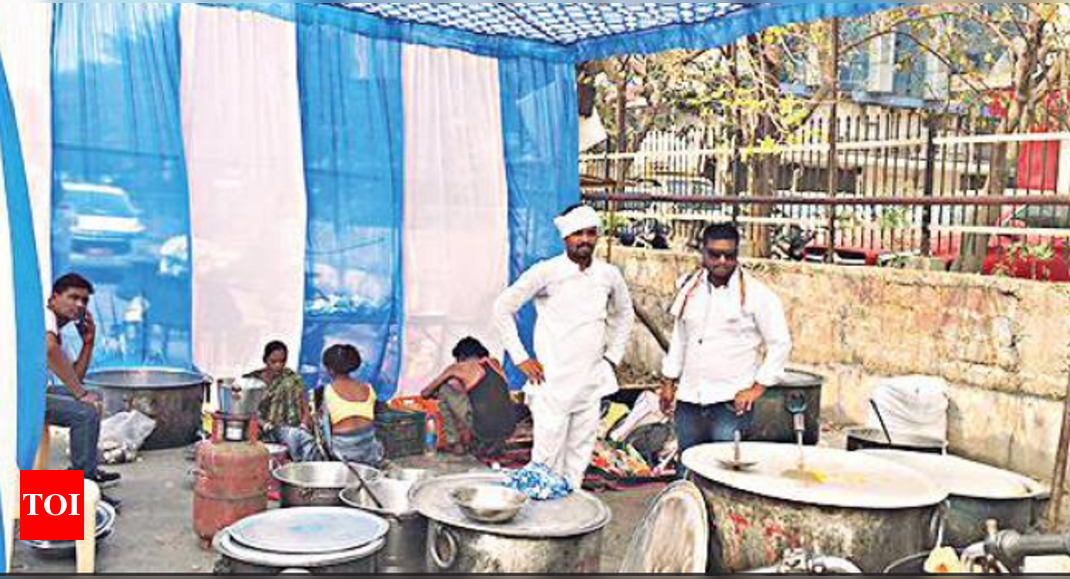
x=123, y=434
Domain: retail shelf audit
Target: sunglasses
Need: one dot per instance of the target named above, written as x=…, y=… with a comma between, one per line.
x=721, y=255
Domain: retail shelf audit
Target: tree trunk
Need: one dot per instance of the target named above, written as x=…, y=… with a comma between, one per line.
x=1019, y=119
x=764, y=166
x=622, y=128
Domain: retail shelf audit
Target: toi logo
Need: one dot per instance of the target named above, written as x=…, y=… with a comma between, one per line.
x=51, y=506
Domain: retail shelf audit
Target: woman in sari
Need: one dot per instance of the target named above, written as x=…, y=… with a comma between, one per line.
x=285, y=403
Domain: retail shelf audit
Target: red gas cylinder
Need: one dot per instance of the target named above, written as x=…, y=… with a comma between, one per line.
x=230, y=484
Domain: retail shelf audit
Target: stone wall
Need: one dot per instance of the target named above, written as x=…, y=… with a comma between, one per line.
x=1002, y=344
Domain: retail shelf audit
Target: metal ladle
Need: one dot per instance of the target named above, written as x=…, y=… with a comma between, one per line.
x=356, y=472
x=360, y=479
x=737, y=463
x=880, y=418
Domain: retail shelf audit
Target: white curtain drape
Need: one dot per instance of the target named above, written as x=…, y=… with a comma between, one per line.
x=242, y=131
x=456, y=244
x=26, y=44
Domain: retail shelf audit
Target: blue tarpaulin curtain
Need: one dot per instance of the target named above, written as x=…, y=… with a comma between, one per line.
x=539, y=105
x=120, y=194
x=351, y=109
x=29, y=355
x=29, y=311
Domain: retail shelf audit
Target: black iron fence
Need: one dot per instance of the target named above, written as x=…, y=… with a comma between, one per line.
x=883, y=188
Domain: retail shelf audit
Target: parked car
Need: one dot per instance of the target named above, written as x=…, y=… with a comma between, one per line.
x=100, y=223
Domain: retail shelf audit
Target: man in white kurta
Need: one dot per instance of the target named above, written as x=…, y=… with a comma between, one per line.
x=585, y=318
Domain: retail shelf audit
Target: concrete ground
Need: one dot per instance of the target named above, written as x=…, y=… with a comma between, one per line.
x=154, y=531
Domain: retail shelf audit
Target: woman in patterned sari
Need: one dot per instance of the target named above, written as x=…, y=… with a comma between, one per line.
x=285, y=403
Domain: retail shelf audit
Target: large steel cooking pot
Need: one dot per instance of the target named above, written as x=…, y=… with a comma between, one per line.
x=978, y=493
x=320, y=541
x=875, y=439
x=550, y=537
x=406, y=543
x=774, y=420
x=864, y=509
x=319, y=484
x=173, y=398
x=673, y=537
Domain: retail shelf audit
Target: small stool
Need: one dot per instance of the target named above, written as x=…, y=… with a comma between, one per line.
x=44, y=450
x=86, y=549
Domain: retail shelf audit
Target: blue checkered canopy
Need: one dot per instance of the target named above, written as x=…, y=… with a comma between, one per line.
x=565, y=24
x=570, y=31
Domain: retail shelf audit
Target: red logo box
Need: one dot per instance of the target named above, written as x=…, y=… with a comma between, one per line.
x=51, y=505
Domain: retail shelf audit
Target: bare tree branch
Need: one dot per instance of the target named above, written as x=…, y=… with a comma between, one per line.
x=925, y=46
x=977, y=14
x=889, y=29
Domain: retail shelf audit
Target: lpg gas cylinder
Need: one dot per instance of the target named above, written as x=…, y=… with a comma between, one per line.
x=230, y=484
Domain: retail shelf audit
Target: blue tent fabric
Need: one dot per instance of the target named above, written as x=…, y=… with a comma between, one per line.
x=573, y=32
x=119, y=189
x=541, y=136
x=351, y=111
x=29, y=311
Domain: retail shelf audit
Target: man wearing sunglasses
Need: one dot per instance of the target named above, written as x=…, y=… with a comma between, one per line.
x=715, y=372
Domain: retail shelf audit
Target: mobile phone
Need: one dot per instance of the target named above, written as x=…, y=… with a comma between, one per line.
x=81, y=320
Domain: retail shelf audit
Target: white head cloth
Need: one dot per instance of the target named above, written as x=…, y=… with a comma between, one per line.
x=579, y=219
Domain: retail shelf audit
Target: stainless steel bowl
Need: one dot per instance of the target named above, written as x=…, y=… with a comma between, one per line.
x=66, y=549
x=492, y=504
x=392, y=494
x=318, y=484
x=324, y=475
x=409, y=475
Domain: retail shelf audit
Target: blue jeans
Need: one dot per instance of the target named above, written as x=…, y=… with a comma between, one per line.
x=61, y=409
x=697, y=425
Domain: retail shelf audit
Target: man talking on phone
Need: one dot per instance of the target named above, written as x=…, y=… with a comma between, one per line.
x=69, y=404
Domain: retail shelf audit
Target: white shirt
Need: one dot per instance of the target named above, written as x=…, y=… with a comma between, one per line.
x=71, y=344
x=717, y=341
x=52, y=324
x=585, y=320
x=52, y=327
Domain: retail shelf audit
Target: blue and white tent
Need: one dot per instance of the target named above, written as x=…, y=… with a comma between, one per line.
x=229, y=174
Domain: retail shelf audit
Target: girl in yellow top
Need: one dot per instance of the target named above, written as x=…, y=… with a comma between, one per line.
x=350, y=406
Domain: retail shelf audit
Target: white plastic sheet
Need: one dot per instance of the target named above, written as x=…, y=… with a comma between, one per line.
x=242, y=130
x=913, y=405
x=456, y=245
x=26, y=43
